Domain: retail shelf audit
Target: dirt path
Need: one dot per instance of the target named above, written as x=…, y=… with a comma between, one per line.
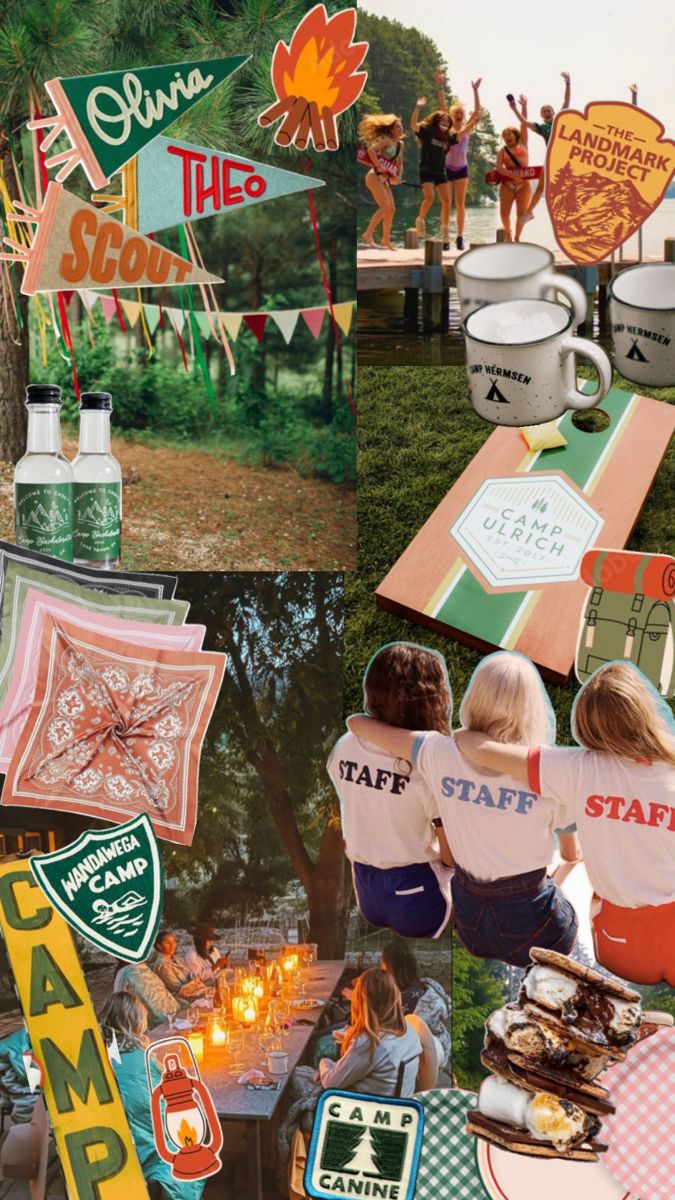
x=187, y=510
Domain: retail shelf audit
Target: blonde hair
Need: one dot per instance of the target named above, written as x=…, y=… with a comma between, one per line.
x=457, y=107
x=619, y=712
x=507, y=700
x=376, y=1009
x=377, y=125
x=126, y=1014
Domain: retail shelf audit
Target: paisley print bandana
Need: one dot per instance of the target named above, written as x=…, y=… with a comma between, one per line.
x=115, y=730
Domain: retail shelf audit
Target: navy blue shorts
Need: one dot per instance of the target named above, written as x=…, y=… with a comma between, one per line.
x=506, y=918
x=410, y=900
x=452, y=174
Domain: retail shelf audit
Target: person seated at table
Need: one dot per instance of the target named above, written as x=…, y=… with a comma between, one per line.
x=421, y=996
x=141, y=980
x=204, y=960
x=125, y=1015
x=15, y=1094
x=173, y=969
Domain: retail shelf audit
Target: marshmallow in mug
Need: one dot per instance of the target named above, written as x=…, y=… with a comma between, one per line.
x=513, y=271
x=520, y=360
x=642, y=311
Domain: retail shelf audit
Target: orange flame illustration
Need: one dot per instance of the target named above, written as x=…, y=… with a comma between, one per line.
x=187, y=1136
x=316, y=78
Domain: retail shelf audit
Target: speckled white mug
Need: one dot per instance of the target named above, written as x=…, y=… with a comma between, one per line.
x=642, y=309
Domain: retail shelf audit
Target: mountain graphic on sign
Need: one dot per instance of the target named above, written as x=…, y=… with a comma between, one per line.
x=635, y=353
x=591, y=214
x=496, y=395
x=47, y=522
x=101, y=515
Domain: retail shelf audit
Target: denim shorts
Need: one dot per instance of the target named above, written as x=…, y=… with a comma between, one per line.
x=411, y=900
x=506, y=918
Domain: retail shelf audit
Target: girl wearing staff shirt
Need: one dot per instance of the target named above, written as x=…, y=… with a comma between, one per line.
x=382, y=136
x=501, y=835
x=620, y=784
x=434, y=137
x=456, y=164
x=388, y=813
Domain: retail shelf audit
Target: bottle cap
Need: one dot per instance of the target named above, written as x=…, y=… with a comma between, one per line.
x=43, y=393
x=95, y=402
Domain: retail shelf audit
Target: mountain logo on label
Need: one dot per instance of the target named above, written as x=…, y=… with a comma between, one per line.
x=46, y=520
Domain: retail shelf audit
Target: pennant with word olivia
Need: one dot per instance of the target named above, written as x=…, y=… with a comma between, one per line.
x=76, y=245
x=109, y=117
x=315, y=79
x=607, y=169
x=169, y=183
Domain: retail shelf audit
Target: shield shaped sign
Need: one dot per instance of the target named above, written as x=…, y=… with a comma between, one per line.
x=109, y=886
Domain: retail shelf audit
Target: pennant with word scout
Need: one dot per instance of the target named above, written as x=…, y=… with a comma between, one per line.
x=78, y=246
x=169, y=183
x=109, y=117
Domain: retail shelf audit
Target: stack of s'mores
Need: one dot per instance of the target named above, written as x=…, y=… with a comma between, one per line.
x=545, y=1053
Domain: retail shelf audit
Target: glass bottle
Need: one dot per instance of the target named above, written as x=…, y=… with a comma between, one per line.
x=98, y=487
x=43, y=479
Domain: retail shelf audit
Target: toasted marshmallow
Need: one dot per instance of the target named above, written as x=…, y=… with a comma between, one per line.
x=544, y=985
x=627, y=1016
x=551, y=1119
x=524, y=1034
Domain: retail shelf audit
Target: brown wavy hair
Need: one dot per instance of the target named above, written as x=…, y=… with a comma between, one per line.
x=407, y=685
x=619, y=712
x=376, y=1009
x=434, y=118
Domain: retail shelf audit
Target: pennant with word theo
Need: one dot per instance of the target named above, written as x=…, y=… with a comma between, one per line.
x=315, y=79
x=607, y=169
x=76, y=245
x=187, y=1131
x=94, y=1143
x=169, y=183
x=109, y=885
x=109, y=117
x=367, y=1141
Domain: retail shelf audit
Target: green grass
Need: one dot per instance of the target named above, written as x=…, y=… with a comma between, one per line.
x=417, y=433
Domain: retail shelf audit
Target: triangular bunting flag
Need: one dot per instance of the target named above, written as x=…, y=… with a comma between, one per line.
x=203, y=323
x=256, y=323
x=286, y=322
x=232, y=323
x=132, y=311
x=151, y=314
x=177, y=318
x=111, y=116
x=343, y=314
x=108, y=308
x=177, y=182
x=77, y=245
x=313, y=318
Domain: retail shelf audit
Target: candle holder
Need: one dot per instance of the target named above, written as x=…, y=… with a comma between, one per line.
x=196, y=1043
x=218, y=1033
x=245, y=1010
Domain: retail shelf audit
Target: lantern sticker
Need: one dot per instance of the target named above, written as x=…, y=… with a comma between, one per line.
x=364, y=1145
x=109, y=117
x=78, y=246
x=187, y=1131
x=109, y=885
x=315, y=79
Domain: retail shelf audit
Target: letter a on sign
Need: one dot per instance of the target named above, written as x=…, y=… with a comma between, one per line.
x=109, y=117
x=93, y=1139
x=109, y=886
x=78, y=246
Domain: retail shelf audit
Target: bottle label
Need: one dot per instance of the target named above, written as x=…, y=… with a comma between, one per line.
x=44, y=518
x=98, y=521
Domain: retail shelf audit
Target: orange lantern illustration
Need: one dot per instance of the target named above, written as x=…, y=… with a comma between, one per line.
x=185, y=1123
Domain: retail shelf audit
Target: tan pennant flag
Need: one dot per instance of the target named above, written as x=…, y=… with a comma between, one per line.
x=232, y=323
x=131, y=310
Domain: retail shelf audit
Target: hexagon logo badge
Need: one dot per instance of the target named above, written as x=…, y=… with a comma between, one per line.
x=527, y=530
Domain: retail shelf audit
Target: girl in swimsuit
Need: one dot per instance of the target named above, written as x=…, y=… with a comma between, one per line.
x=511, y=156
x=435, y=137
x=382, y=135
x=543, y=128
x=456, y=165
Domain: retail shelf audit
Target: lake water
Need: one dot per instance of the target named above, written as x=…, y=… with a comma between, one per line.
x=382, y=338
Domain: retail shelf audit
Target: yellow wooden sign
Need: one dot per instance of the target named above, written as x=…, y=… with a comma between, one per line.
x=607, y=169
x=92, y=1133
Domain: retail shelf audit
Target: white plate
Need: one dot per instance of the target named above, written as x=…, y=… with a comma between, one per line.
x=306, y=1003
x=509, y=1176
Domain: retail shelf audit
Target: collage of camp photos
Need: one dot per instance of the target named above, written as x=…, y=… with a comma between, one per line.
x=337, y=600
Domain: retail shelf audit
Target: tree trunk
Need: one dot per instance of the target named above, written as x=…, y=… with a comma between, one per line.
x=330, y=340
x=14, y=374
x=330, y=894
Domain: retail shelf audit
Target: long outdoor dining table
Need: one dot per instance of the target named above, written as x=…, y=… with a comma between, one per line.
x=234, y=1101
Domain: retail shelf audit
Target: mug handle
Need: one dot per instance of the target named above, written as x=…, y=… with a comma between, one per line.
x=572, y=289
x=577, y=345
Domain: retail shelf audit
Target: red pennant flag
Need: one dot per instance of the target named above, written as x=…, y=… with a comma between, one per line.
x=108, y=307
x=256, y=323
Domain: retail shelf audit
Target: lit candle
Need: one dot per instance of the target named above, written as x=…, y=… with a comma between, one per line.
x=218, y=1036
x=250, y=1013
x=196, y=1041
x=258, y=989
x=290, y=964
x=245, y=1009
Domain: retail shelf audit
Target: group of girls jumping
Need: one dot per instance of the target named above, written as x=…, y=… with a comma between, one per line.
x=443, y=140
x=472, y=821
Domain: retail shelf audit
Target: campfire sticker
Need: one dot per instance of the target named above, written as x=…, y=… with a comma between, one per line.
x=607, y=170
x=185, y=1123
x=316, y=79
x=363, y=1146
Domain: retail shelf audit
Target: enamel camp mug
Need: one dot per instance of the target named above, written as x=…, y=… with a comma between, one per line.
x=513, y=271
x=520, y=360
x=642, y=310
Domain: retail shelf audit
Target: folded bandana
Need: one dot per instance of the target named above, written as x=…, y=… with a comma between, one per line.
x=114, y=731
x=23, y=667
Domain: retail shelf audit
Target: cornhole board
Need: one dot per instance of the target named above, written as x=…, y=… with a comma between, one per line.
x=511, y=582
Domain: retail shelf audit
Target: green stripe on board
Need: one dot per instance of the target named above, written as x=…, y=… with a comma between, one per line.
x=487, y=615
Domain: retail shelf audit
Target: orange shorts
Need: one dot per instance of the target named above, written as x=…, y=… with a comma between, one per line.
x=638, y=944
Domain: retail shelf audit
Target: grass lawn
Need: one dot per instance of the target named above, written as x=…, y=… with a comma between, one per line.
x=417, y=433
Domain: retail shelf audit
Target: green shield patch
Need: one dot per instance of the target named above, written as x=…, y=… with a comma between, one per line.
x=109, y=886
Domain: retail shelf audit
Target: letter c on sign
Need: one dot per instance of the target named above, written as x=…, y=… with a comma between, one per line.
x=10, y=907
x=109, y=235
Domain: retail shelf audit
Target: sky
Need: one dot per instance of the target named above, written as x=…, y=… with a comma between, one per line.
x=523, y=46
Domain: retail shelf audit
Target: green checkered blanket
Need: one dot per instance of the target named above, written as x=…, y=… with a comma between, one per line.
x=448, y=1168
